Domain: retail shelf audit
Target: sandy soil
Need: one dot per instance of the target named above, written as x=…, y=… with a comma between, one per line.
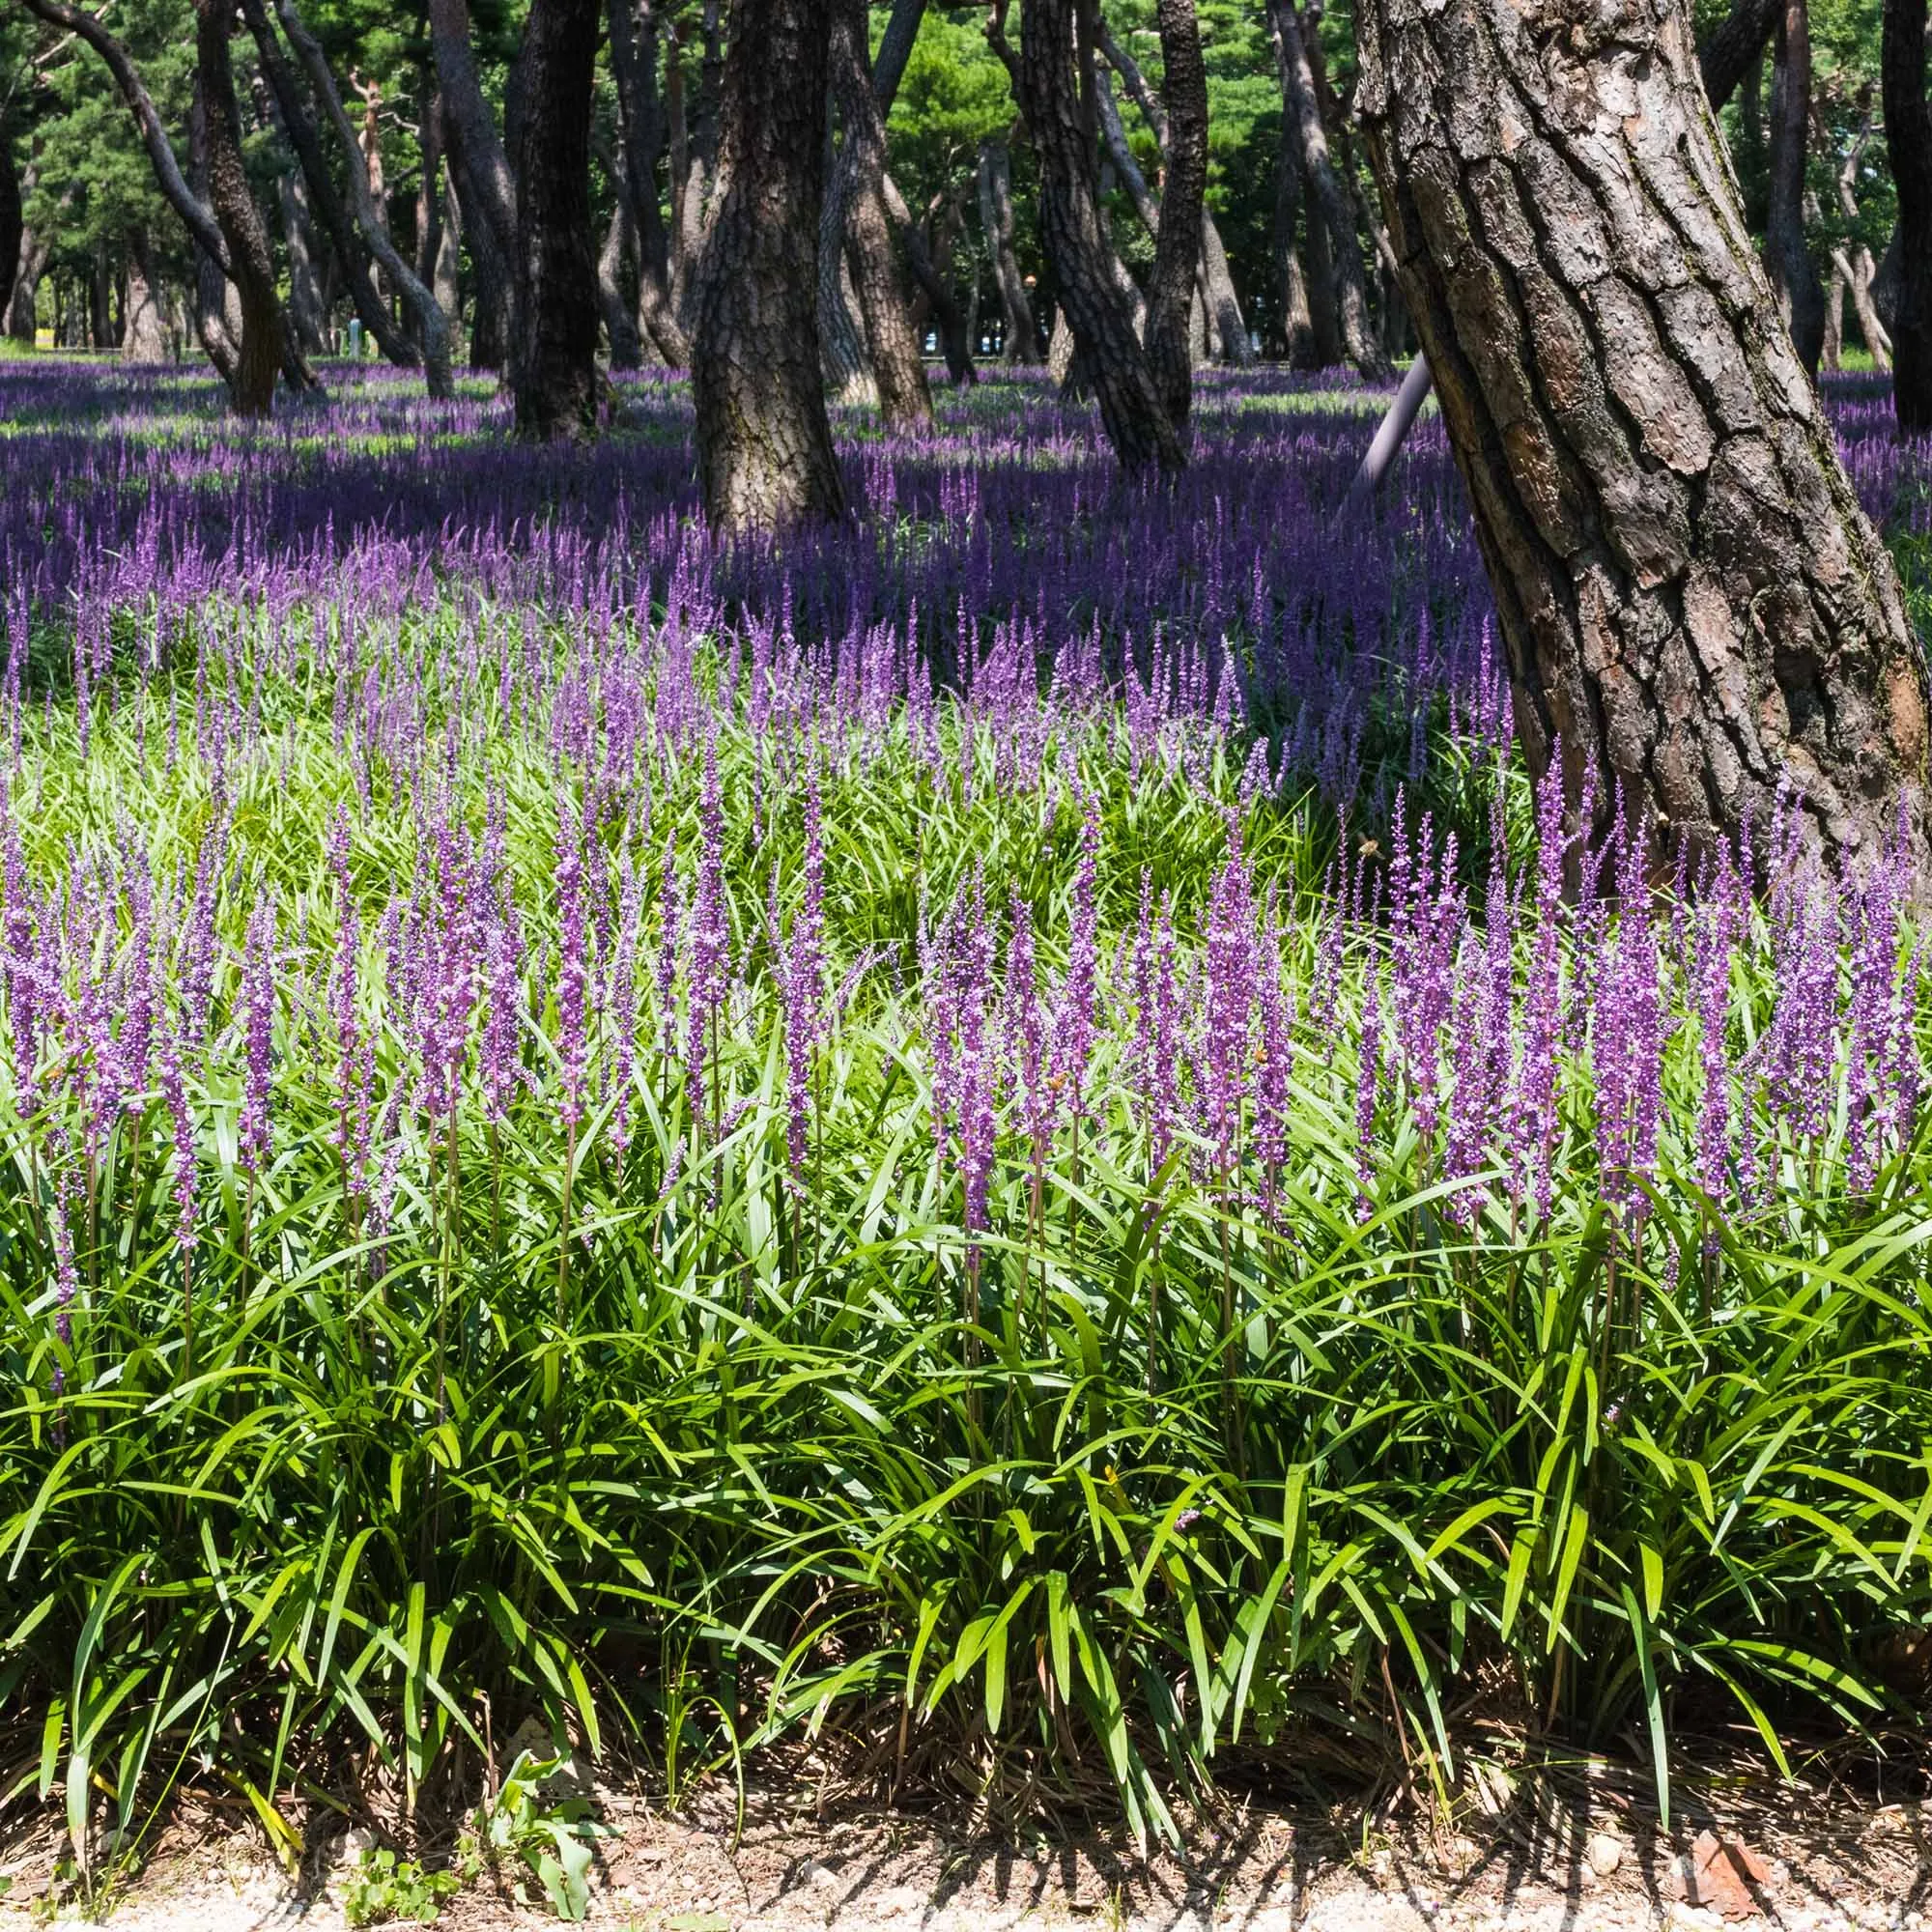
x=1584, y=1863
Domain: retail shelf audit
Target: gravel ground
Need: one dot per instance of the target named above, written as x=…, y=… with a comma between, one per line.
x=1805, y=1867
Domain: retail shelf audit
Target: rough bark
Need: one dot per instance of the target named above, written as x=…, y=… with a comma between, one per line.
x=431, y=326
x=553, y=359
x=1054, y=72
x=634, y=65
x=258, y=356
x=1329, y=202
x=12, y=225
x=1831, y=357
x=1908, y=136
x=217, y=309
x=1793, y=280
x=1177, y=252
x=842, y=356
x=144, y=338
x=695, y=150
x=897, y=367
x=1020, y=333
x=1693, y=604
x=764, y=442
x=1735, y=47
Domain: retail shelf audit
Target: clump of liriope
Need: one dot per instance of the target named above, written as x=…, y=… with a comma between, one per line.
x=733, y=1196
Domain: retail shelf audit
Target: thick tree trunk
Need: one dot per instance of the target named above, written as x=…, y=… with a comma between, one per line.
x=764, y=442
x=1328, y=203
x=1020, y=335
x=13, y=226
x=1692, y=603
x=217, y=309
x=615, y=295
x=431, y=326
x=31, y=259
x=1908, y=136
x=258, y=358
x=1177, y=252
x=554, y=362
x=145, y=337
x=1297, y=326
x=1793, y=280
x=1736, y=45
x=859, y=197
x=633, y=62
x=842, y=358
x=1057, y=90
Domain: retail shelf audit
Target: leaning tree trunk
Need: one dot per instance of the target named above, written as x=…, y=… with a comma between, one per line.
x=1735, y=46
x=947, y=317
x=553, y=359
x=258, y=355
x=431, y=326
x=1908, y=134
x=764, y=442
x=1177, y=248
x=145, y=337
x=1793, y=280
x=897, y=367
x=1329, y=202
x=1021, y=344
x=1693, y=605
x=1055, y=79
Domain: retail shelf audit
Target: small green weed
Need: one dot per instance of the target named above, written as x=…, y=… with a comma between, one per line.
x=384, y=1888
x=553, y=1837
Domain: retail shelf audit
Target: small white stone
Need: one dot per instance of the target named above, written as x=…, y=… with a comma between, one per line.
x=1605, y=1853
x=820, y=1877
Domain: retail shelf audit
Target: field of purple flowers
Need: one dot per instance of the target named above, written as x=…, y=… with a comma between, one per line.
x=986, y=1138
